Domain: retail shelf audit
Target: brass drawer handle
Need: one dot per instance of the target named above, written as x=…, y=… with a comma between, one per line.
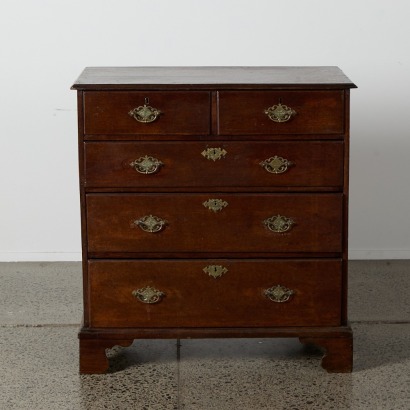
x=215, y=204
x=280, y=113
x=145, y=113
x=279, y=223
x=150, y=223
x=148, y=295
x=213, y=153
x=279, y=294
x=216, y=271
x=146, y=165
x=276, y=165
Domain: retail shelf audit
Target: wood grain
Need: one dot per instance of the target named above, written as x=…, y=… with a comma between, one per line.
x=205, y=107
x=317, y=112
x=195, y=299
x=191, y=227
x=314, y=164
x=112, y=78
x=181, y=113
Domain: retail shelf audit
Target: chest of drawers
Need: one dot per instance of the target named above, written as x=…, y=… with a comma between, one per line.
x=214, y=204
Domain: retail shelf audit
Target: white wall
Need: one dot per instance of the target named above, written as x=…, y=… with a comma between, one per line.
x=46, y=43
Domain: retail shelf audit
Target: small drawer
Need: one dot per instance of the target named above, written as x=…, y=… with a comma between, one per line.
x=292, y=112
x=215, y=293
x=214, y=164
x=146, y=113
x=217, y=222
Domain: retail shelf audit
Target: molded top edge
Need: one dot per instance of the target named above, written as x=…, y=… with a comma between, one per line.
x=99, y=78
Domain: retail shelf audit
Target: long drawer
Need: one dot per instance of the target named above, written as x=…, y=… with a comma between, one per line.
x=216, y=164
x=146, y=113
x=214, y=293
x=214, y=222
x=292, y=112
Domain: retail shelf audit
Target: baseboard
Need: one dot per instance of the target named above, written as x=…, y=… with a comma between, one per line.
x=373, y=254
x=368, y=254
x=40, y=256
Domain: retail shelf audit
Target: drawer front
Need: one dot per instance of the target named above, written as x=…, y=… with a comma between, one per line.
x=183, y=113
x=214, y=222
x=316, y=112
x=249, y=293
x=216, y=164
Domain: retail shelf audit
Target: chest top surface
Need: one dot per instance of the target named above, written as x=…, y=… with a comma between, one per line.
x=112, y=78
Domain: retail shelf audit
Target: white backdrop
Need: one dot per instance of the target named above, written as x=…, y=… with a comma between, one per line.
x=46, y=43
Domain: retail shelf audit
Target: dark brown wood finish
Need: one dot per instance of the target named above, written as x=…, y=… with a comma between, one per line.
x=193, y=298
x=314, y=164
x=211, y=107
x=338, y=357
x=93, y=358
x=181, y=112
x=317, y=112
x=346, y=207
x=214, y=78
x=336, y=341
x=192, y=227
x=83, y=207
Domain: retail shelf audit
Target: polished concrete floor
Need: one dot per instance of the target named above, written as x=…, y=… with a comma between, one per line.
x=40, y=315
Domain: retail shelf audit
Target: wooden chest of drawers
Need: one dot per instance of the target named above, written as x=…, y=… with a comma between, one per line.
x=214, y=204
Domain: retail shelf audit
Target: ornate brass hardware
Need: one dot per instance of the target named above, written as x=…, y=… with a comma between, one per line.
x=146, y=165
x=278, y=294
x=280, y=113
x=214, y=153
x=148, y=295
x=215, y=204
x=276, y=165
x=278, y=223
x=216, y=271
x=145, y=113
x=150, y=223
